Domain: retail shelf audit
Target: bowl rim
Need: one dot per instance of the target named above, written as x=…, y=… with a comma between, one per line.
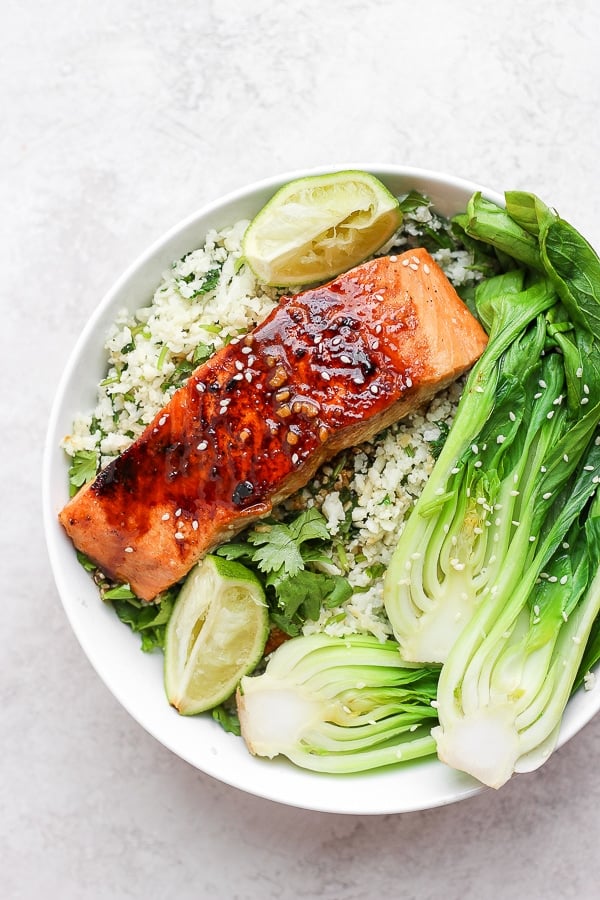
x=579, y=710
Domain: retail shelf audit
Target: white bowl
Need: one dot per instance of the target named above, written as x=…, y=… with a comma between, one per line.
x=135, y=678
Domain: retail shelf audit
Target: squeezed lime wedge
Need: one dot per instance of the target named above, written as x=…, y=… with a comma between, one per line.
x=313, y=228
x=216, y=634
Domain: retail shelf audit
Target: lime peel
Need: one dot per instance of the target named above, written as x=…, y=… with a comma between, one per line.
x=316, y=227
x=216, y=634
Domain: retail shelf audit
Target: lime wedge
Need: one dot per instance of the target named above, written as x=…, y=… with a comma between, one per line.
x=216, y=634
x=316, y=227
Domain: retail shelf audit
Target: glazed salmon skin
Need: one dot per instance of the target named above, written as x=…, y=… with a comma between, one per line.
x=327, y=369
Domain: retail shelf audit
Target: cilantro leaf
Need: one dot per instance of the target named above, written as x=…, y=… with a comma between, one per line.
x=305, y=593
x=83, y=468
x=227, y=719
x=276, y=549
x=149, y=620
x=309, y=526
x=202, y=352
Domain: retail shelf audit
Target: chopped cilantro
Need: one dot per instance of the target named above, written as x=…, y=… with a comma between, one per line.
x=436, y=445
x=202, y=352
x=179, y=375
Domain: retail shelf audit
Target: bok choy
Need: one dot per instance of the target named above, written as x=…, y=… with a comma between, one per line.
x=495, y=573
x=338, y=705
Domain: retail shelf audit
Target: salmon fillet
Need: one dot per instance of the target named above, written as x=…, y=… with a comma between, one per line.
x=327, y=369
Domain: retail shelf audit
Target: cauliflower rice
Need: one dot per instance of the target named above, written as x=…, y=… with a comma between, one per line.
x=210, y=297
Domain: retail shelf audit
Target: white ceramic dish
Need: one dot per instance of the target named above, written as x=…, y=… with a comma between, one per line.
x=135, y=678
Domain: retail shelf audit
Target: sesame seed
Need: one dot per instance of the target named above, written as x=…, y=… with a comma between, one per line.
x=543, y=469
x=588, y=468
x=202, y=445
x=537, y=396
x=542, y=383
x=515, y=493
x=128, y=549
x=375, y=345
x=586, y=389
x=405, y=262
x=336, y=341
x=162, y=420
x=478, y=389
x=552, y=579
x=478, y=464
x=585, y=400
x=531, y=538
x=550, y=414
x=426, y=269
x=393, y=259
x=200, y=387
x=474, y=448
x=345, y=359
x=515, y=522
x=512, y=416
x=564, y=579
x=500, y=439
x=165, y=517
x=248, y=375
x=378, y=328
x=374, y=389
x=455, y=470
x=179, y=536
x=325, y=376
x=579, y=372
x=177, y=513
x=295, y=458
x=238, y=377
x=195, y=525
x=246, y=349
x=317, y=338
x=251, y=360
x=408, y=381
x=239, y=365
x=414, y=266
x=547, y=495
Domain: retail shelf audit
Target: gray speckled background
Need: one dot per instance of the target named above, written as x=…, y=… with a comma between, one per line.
x=118, y=119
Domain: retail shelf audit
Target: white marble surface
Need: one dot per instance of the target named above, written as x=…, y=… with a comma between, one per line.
x=117, y=120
